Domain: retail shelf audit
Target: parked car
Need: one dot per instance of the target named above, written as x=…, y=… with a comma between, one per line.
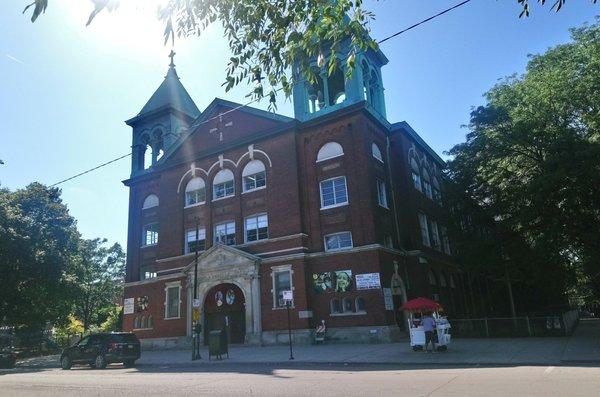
x=7, y=358
x=99, y=350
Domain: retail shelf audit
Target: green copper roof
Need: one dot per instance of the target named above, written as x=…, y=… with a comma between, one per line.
x=171, y=93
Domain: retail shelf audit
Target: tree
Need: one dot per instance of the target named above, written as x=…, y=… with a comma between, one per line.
x=531, y=161
x=38, y=239
x=101, y=273
x=268, y=37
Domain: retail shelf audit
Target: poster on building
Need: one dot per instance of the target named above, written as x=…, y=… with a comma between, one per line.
x=368, y=281
x=128, y=305
x=322, y=282
x=388, y=299
x=343, y=280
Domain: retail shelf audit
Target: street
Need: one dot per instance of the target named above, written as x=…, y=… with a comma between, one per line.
x=302, y=380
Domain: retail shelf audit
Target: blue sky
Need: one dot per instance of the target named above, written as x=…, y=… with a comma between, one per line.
x=66, y=89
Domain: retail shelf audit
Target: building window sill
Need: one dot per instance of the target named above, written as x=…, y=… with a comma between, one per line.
x=362, y=313
x=254, y=190
x=223, y=198
x=194, y=205
x=143, y=329
x=334, y=206
x=173, y=318
x=149, y=245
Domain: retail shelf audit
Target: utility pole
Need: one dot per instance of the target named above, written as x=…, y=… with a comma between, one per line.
x=287, y=305
x=196, y=310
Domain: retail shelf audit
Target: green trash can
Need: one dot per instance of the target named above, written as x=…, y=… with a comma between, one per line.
x=217, y=344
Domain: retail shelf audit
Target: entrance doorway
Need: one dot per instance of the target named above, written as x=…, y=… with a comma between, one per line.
x=225, y=309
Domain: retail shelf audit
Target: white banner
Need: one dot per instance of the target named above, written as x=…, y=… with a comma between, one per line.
x=368, y=281
x=128, y=305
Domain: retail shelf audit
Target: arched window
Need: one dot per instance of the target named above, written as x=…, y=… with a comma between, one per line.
x=360, y=305
x=136, y=322
x=150, y=322
x=452, y=282
x=443, y=282
x=334, y=306
x=143, y=323
x=416, y=174
x=366, y=79
x=336, y=87
x=223, y=184
x=329, y=151
x=348, y=305
x=195, y=191
x=254, y=176
x=431, y=278
x=426, y=184
x=376, y=152
x=150, y=202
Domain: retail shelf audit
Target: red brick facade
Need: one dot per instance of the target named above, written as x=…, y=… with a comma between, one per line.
x=297, y=224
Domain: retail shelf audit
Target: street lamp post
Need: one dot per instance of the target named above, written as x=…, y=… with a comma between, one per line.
x=196, y=324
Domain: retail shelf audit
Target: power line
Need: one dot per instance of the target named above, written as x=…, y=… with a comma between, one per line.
x=423, y=21
x=257, y=99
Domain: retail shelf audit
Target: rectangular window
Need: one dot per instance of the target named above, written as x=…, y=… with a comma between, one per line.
x=282, y=281
x=437, y=195
x=225, y=233
x=150, y=234
x=427, y=188
x=149, y=275
x=195, y=196
x=381, y=194
x=172, y=302
x=436, y=235
x=190, y=240
x=338, y=241
x=334, y=192
x=446, y=241
x=255, y=181
x=224, y=189
x=424, y=230
x=256, y=228
x=416, y=181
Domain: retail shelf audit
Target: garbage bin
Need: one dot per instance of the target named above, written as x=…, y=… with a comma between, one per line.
x=217, y=344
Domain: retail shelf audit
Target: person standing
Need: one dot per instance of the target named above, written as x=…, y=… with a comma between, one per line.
x=428, y=323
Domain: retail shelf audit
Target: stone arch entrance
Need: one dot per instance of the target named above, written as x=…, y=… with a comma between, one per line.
x=225, y=309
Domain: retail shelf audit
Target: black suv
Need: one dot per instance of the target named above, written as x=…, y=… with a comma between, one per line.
x=99, y=350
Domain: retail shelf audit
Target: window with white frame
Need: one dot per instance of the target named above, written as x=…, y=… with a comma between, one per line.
x=149, y=275
x=256, y=228
x=254, y=176
x=424, y=230
x=191, y=242
x=381, y=194
x=195, y=192
x=223, y=184
x=172, y=300
x=437, y=193
x=446, y=241
x=338, y=241
x=334, y=192
x=427, y=185
x=150, y=202
x=225, y=233
x=376, y=152
x=416, y=175
x=282, y=281
x=435, y=234
x=150, y=234
x=329, y=151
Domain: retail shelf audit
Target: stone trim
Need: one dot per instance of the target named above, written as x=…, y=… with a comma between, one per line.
x=154, y=280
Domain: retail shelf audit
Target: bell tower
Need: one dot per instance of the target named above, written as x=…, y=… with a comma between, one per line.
x=332, y=92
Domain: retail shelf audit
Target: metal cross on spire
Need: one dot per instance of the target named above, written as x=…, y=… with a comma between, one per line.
x=172, y=55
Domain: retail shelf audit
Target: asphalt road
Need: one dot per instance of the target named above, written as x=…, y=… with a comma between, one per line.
x=303, y=380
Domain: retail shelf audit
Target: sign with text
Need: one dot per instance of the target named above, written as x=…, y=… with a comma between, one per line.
x=128, y=305
x=388, y=299
x=368, y=281
x=288, y=295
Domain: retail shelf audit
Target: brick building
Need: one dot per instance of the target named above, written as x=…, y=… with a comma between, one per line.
x=337, y=204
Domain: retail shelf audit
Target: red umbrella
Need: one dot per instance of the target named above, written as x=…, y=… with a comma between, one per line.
x=421, y=304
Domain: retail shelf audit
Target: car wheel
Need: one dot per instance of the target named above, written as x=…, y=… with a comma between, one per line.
x=66, y=363
x=129, y=363
x=100, y=361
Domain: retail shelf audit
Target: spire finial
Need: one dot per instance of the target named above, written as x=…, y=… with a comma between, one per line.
x=172, y=55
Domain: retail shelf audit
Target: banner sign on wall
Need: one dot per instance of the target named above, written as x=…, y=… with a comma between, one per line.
x=388, y=299
x=368, y=281
x=128, y=305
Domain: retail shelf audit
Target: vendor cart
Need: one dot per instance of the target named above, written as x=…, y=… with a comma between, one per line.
x=416, y=309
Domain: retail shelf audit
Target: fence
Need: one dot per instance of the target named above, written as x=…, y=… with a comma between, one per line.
x=560, y=324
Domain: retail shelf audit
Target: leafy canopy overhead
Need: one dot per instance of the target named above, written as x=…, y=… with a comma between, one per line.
x=266, y=37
